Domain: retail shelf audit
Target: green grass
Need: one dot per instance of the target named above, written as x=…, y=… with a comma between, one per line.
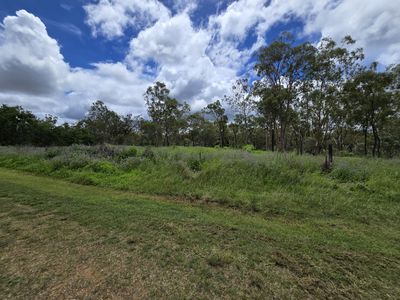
x=65, y=240
x=196, y=223
x=272, y=184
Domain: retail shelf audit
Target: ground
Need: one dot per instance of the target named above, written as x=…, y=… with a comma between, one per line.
x=63, y=240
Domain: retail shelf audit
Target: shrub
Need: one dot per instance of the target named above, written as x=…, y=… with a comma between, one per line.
x=148, y=153
x=249, y=148
x=348, y=173
x=194, y=165
x=130, y=152
x=130, y=163
x=52, y=152
x=102, y=166
x=76, y=161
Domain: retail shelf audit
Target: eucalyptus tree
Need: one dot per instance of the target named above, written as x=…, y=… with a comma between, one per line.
x=242, y=102
x=217, y=112
x=372, y=103
x=103, y=124
x=283, y=68
x=166, y=113
x=331, y=66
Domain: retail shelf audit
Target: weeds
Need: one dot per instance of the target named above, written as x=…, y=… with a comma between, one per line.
x=262, y=182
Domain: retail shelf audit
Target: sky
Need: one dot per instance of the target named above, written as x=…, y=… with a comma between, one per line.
x=59, y=56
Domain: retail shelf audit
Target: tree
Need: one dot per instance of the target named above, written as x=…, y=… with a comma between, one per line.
x=242, y=103
x=371, y=103
x=217, y=112
x=283, y=68
x=17, y=126
x=105, y=125
x=331, y=66
x=166, y=112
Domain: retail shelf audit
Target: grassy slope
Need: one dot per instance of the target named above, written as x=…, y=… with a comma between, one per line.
x=362, y=190
x=59, y=239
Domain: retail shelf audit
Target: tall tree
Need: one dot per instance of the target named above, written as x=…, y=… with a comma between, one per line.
x=166, y=112
x=283, y=67
x=242, y=103
x=372, y=102
x=105, y=125
x=217, y=112
x=331, y=66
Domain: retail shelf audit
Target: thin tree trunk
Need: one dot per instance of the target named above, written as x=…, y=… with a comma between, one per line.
x=365, y=140
x=273, y=140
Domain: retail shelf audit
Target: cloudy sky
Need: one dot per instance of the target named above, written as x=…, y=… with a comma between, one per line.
x=59, y=56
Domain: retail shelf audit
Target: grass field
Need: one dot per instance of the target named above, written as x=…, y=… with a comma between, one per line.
x=179, y=224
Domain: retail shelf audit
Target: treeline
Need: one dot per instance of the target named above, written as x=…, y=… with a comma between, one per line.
x=303, y=98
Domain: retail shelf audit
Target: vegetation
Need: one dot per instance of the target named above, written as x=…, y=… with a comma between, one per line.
x=281, y=227
x=303, y=98
x=272, y=184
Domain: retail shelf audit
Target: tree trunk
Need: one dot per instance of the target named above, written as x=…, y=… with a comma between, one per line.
x=282, y=138
x=377, y=142
x=301, y=145
x=273, y=140
x=330, y=153
x=365, y=140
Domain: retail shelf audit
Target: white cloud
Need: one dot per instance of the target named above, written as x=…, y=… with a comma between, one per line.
x=198, y=64
x=374, y=24
x=35, y=75
x=183, y=61
x=112, y=83
x=30, y=61
x=111, y=17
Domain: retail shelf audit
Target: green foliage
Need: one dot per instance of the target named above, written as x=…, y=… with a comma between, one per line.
x=263, y=182
x=346, y=172
x=129, y=152
x=102, y=166
x=52, y=152
x=148, y=153
x=249, y=148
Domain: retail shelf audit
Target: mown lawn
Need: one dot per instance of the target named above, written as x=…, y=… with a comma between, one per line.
x=63, y=240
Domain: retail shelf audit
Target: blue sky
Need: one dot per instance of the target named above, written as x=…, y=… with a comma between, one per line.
x=59, y=56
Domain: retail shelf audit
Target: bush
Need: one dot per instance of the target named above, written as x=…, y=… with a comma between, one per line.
x=102, y=166
x=77, y=161
x=130, y=163
x=148, y=153
x=249, y=148
x=349, y=173
x=194, y=165
x=130, y=152
x=52, y=152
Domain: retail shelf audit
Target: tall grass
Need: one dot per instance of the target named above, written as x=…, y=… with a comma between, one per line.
x=273, y=184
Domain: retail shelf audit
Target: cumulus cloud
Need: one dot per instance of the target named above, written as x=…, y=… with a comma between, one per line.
x=375, y=25
x=198, y=62
x=111, y=17
x=35, y=75
x=113, y=83
x=30, y=61
x=183, y=60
